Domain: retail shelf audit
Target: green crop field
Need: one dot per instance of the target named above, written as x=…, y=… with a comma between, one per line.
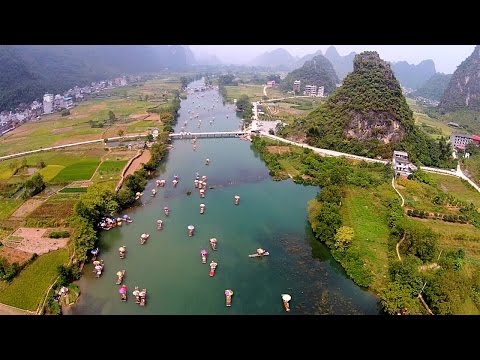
x=459, y=188
x=50, y=171
x=26, y=291
x=8, y=207
x=73, y=190
x=363, y=211
x=111, y=166
x=82, y=170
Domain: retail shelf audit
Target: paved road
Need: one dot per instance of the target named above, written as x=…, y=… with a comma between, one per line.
x=325, y=152
x=458, y=173
x=265, y=90
x=11, y=156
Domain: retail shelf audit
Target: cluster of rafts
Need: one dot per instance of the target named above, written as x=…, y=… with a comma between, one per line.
x=200, y=183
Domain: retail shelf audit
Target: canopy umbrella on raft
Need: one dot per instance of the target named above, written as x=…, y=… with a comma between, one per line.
x=144, y=236
x=159, y=221
x=165, y=208
x=123, y=290
x=228, y=292
x=122, y=249
x=202, y=205
x=126, y=217
x=204, y=252
x=94, y=251
x=136, y=292
x=237, y=197
x=213, y=240
x=190, y=227
x=286, y=297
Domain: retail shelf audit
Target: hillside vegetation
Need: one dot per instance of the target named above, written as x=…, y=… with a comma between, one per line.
x=369, y=116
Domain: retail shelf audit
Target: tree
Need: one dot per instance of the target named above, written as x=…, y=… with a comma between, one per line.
x=243, y=103
x=343, y=237
x=149, y=138
x=33, y=186
x=397, y=298
x=65, y=112
x=41, y=164
x=121, y=132
x=111, y=116
x=146, y=97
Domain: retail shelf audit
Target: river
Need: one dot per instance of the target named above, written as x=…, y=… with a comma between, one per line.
x=271, y=215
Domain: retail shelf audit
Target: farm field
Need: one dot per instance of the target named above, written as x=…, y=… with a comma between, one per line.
x=80, y=125
x=26, y=291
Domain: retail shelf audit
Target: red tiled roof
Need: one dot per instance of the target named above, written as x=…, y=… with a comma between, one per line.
x=475, y=137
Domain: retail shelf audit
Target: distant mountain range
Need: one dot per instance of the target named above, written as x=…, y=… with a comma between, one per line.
x=413, y=76
x=463, y=90
x=342, y=64
x=28, y=71
x=434, y=87
x=279, y=58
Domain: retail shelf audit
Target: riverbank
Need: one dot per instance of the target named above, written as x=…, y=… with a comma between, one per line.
x=358, y=216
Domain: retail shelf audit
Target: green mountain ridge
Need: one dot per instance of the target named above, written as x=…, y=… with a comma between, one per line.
x=317, y=71
x=463, y=90
x=434, y=87
x=28, y=71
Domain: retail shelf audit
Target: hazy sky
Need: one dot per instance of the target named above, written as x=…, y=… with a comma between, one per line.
x=446, y=57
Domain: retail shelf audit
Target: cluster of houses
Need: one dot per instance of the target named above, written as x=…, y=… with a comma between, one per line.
x=310, y=90
x=9, y=120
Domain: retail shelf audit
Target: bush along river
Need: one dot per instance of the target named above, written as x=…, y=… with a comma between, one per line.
x=271, y=215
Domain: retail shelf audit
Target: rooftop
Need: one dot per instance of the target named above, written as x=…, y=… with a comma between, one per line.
x=400, y=153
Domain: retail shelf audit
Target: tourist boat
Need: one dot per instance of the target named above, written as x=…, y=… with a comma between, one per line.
x=120, y=275
x=213, y=243
x=94, y=253
x=161, y=183
x=123, y=292
x=154, y=192
x=136, y=293
x=127, y=219
x=237, y=199
x=204, y=253
x=143, y=297
x=260, y=252
x=166, y=211
x=207, y=161
x=202, y=208
x=286, y=298
x=159, y=224
x=228, y=297
x=190, y=228
x=98, y=268
x=195, y=183
x=143, y=238
x=121, y=251
x=202, y=193
x=138, y=195
x=213, y=267
x=175, y=182
x=204, y=178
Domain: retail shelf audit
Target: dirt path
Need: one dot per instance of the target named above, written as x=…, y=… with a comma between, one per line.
x=10, y=310
x=397, y=247
x=135, y=165
x=26, y=208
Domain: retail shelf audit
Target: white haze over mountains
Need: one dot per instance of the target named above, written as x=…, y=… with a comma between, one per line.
x=446, y=57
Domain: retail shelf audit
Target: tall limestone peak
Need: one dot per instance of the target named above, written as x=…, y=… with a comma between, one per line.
x=463, y=91
x=368, y=113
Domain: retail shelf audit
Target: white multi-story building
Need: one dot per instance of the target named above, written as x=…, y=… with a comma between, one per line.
x=68, y=102
x=47, y=103
x=401, y=164
x=321, y=91
x=58, y=102
x=310, y=90
x=296, y=86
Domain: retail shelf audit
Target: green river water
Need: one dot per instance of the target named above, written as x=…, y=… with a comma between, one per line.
x=271, y=214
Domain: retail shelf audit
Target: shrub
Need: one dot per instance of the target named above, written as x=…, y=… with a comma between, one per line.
x=59, y=234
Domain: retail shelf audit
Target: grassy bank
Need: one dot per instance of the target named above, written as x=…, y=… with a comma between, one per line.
x=358, y=216
x=27, y=289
